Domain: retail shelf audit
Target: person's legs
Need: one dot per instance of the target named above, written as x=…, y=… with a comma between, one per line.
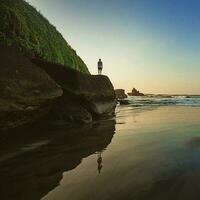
x=99, y=71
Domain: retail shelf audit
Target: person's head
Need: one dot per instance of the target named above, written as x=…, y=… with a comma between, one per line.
x=99, y=60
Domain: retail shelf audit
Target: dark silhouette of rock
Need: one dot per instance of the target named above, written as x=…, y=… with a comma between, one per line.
x=120, y=94
x=135, y=93
x=86, y=97
x=26, y=91
x=33, y=90
x=32, y=161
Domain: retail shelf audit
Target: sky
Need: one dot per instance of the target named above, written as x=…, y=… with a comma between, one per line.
x=152, y=45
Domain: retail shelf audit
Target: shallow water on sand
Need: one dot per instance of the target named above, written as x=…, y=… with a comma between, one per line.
x=145, y=153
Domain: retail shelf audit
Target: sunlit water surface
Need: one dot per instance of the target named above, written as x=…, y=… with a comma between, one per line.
x=154, y=154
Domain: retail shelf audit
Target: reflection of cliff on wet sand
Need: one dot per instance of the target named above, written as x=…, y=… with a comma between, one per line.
x=32, y=163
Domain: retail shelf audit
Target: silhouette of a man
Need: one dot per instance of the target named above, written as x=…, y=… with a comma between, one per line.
x=100, y=66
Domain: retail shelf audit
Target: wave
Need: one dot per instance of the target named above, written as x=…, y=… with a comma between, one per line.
x=165, y=101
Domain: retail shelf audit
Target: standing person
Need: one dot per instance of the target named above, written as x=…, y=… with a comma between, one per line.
x=100, y=66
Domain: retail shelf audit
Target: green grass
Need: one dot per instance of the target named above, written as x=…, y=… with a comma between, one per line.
x=25, y=28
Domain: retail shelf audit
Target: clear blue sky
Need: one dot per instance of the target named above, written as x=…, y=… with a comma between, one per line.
x=153, y=45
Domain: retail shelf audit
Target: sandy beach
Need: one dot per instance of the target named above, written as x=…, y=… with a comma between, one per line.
x=146, y=153
x=153, y=155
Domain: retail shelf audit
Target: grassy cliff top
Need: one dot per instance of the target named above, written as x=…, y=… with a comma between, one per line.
x=22, y=26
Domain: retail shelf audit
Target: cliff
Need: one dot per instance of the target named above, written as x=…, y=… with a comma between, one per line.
x=23, y=27
x=41, y=76
x=32, y=91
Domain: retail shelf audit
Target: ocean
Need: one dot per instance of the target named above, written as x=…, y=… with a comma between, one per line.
x=163, y=100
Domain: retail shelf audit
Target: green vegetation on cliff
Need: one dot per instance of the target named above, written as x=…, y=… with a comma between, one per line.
x=23, y=27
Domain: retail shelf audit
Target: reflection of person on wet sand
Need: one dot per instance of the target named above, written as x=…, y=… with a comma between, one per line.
x=99, y=161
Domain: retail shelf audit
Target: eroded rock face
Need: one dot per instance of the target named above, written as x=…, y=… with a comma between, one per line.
x=33, y=89
x=26, y=91
x=86, y=97
x=120, y=94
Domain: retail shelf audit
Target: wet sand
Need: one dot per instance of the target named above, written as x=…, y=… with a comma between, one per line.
x=32, y=162
x=145, y=153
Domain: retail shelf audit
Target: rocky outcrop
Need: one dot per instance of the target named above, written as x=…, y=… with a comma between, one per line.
x=31, y=90
x=120, y=94
x=26, y=91
x=135, y=93
x=86, y=97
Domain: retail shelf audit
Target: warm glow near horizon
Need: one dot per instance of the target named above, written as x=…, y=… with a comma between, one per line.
x=153, y=46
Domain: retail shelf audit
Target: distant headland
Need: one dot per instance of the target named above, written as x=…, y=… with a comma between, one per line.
x=135, y=92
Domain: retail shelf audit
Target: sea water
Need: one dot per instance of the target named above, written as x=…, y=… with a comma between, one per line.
x=164, y=100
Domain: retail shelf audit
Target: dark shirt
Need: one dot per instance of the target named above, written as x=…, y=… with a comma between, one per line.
x=100, y=64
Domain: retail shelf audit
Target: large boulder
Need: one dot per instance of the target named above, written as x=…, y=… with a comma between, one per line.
x=26, y=91
x=120, y=94
x=86, y=97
